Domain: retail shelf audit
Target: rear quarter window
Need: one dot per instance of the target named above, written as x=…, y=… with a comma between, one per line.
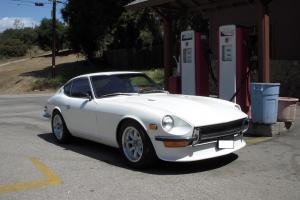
x=67, y=89
x=80, y=86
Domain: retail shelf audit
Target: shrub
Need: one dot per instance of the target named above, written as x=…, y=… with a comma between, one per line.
x=48, y=83
x=157, y=75
x=13, y=48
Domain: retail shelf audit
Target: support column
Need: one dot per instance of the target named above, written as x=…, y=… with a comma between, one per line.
x=263, y=40
x=167, y=26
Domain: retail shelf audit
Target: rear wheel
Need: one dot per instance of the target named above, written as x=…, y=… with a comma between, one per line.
x=59, y=128
x=135, y=145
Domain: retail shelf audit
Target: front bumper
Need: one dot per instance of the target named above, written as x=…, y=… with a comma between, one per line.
x=47, y=115
x=196, y=152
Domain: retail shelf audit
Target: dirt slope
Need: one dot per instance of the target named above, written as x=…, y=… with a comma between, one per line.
x=18, y=77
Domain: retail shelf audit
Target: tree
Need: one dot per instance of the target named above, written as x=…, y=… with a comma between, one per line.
x=16, y=42
x=27, y=35
x=140, y=30
x=90, y=22
x=18, y=24
x=45, y=34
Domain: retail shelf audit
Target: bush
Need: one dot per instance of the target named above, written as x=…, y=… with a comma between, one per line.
x=13, y=48
x=48, y=83
x=157, y=75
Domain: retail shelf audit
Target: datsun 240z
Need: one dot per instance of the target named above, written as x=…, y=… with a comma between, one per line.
x=129, y=111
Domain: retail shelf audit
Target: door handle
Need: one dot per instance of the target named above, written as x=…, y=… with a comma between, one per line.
x=68, y=107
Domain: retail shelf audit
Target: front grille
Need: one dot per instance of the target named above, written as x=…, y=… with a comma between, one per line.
x=219, y=131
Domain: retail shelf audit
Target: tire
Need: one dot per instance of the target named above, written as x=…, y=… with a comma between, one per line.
x=59, y=128
x=135, y=145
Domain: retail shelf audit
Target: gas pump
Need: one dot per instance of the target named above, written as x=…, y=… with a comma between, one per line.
x=234, y=70
x=194, y=65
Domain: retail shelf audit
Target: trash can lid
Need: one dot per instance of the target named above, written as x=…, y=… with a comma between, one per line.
x=291, y=99
x=271, y=84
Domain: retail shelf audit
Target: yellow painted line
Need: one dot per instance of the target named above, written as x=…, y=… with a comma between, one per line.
x=49, y=179
x=257, y=140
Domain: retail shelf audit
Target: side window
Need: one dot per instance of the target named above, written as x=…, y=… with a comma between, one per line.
x=67, y=89
x=80, y=87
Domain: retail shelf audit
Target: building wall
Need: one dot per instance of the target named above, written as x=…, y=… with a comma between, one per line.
x=285, y=20
x=287, y=73
x=285, y=39
x=285, y=26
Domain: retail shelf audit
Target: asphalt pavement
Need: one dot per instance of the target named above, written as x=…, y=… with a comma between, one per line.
x=34, y=166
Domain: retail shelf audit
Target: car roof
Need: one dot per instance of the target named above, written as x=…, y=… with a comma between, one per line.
x=108, y=73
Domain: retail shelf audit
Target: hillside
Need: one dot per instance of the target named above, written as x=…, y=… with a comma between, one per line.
x=34, y=75
x=21, y=77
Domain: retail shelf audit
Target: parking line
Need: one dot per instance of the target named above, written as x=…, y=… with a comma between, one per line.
x=257, y=140
x=49, y=179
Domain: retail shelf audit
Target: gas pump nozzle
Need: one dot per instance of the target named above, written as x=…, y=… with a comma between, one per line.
x=178, y=65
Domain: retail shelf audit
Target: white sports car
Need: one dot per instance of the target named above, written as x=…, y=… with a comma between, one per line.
x=130, y=111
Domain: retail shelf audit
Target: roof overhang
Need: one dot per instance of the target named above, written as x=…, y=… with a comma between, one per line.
x=140, y=4
x=191, y=6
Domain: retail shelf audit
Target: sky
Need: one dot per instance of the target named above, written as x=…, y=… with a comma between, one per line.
x=26, y=12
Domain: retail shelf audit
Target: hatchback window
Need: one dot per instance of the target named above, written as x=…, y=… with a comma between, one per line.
x=80, y=88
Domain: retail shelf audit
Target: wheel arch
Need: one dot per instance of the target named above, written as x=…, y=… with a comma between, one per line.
x=57, y=109
x=125, y=119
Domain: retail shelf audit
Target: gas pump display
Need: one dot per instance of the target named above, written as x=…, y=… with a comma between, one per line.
x=187, y=55
x=227, y=53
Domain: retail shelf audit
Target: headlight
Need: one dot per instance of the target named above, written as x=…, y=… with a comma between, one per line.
x=245, y=125
x=237, y=106
x=196, y=136
x=167, y=123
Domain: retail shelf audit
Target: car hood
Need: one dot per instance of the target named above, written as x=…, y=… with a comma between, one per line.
x=197, y=111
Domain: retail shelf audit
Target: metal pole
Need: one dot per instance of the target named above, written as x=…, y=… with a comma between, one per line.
x=53, y=36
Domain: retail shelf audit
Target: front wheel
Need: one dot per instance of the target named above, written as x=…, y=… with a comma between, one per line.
x=59, y=128
x=135, y=145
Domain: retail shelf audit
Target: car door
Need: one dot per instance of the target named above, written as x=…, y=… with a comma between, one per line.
x=80, y=110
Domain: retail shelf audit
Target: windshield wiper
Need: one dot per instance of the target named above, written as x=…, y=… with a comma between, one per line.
x=152, y=91
x=115, y=94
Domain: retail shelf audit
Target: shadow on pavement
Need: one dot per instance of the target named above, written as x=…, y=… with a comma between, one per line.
x=112, y=156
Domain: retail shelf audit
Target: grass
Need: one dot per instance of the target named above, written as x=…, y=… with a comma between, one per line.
x=46, y=83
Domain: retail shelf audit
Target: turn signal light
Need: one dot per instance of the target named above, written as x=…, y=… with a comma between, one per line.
x=153, y=126
x=179, y=143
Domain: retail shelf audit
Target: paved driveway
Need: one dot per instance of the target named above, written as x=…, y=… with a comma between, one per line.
x=34, y=166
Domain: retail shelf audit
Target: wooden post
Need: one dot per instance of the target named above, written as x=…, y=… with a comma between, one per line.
x=263, y=41
x=167, y=50
x=168, y=47
x=53, y=36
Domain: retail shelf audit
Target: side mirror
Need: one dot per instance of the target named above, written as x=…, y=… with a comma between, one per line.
x=88, y=96
x=85, y=95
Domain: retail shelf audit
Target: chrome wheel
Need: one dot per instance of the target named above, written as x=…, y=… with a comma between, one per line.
x=58, y=126
x=132, y=144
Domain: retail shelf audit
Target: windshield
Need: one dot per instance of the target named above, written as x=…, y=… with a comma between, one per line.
x=108, y=85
